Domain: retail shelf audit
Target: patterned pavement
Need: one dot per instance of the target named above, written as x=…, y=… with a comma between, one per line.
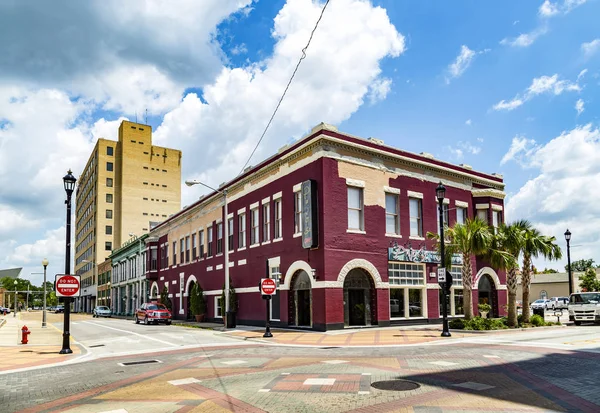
x=451, y=378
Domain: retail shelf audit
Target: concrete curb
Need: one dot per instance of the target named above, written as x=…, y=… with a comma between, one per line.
x=506, y=330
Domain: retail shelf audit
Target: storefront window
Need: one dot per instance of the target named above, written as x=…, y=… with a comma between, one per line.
x=396, y=302
x=459, y=307
x=406, y=274
x=415, y=302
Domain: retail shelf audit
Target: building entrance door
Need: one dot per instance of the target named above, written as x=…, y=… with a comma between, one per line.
x=356, y=302
x=488, y=294
x=300, y=306
x=304, y=308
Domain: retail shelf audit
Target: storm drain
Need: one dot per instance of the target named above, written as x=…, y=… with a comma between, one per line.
x=395, y=385
x=97, y=345
x=327, y=348
x=134, y=363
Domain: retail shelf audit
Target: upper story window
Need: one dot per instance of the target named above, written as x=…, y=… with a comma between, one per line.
x=166, y=255
x=242, y=230
x=201, y=239
x=109, y=166
x=109, y=213
x=187, y=249
x=153, y=254
x=209, y=241
x=108, y=229
x=109, y=182
x=109, y=150
x=219, y=238
x=277, y=208
x=181, y=251
x=482, y=214
x=392, y=220
x=406, y=274
x=496, y=218
x=355, y=208
x=174, y=252
x=266, y=212
x=194, y=246
x=297, y=212
x=230, y=234
x=109, y=198
x=254, y=230
x=416, y=217
x=461, y=215
x=108, y=246
x=446, y=216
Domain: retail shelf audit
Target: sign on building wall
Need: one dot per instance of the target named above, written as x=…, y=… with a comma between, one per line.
x=310, y=225
x=400, y=253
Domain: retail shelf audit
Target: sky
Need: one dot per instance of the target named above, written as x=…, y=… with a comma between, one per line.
x=510, y=87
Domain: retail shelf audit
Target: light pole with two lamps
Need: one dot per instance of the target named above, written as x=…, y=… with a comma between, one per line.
x=440, y=193
x=45, y=264
x=69, y=183
x=568, y=238
x=225, y=223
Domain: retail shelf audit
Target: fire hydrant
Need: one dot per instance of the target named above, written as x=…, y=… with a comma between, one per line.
x=24, y=333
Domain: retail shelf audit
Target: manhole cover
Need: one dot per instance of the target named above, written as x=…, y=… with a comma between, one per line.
x=395, y=385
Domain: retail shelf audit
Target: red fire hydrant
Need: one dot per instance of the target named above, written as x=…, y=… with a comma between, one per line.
x=24, y=333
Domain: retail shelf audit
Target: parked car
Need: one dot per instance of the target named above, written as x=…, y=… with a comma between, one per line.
x=59, y=309
x=557, y=303
x=4, y=310
x=541, y=303
x=101, y=311
x=153, y=313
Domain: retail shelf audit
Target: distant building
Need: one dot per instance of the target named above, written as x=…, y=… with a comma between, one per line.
x=341, y=222
x=125, y=188
x=11, y=273
x=550, y=285
x=129, y=286
x=104, y=279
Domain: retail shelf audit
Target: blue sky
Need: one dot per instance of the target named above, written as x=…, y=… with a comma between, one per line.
x=492, y=84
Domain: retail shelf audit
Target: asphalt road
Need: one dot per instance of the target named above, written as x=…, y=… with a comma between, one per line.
x=103, y=337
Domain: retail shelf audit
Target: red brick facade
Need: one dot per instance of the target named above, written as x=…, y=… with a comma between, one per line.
x=345, y=279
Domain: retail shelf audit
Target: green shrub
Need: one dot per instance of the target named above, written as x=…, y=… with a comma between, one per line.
x=457, y=324
x=537, y=320
x=484, y=308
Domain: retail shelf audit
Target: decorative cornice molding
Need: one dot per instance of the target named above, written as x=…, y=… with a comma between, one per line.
x=488, y=192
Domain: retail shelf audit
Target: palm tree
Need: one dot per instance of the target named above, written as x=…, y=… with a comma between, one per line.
x=504, y=254
x=534, y=245
x=468, y=239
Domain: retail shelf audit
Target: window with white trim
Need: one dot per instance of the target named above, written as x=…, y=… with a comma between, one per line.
x=218, y=307
x=401, y=273
x=297, y=212
x=455, y=300
x=187, y=249
x=496, y=219
x=254, y=227
x=277, y=208
x=201, y=242
x=266, y=212
x=181, y=250
x=482, y=214
x=174, y=252
x=355, y=208
x=461, y=215
x=446, y=215
x=242, y=230
x=194, y=246
x=416, y=217
x=275, y=304
x=219, y=238
x=392, y=220
x=230, y=234
x=209, y=241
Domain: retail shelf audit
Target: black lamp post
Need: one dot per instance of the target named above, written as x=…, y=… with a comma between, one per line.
x=568, y=238
x=69, y=181
x=440, y=193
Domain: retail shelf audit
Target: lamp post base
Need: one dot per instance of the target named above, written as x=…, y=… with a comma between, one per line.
x=446, y=334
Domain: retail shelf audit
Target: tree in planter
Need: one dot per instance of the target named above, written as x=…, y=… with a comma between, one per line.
x=197, y=302
x=233, y=302
x=164, y=298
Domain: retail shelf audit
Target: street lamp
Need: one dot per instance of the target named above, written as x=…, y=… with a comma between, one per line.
x=568, y=238
x=45, y=264
x=225, y=222
x=15, y=309
x=69, y=183
x=440, y=193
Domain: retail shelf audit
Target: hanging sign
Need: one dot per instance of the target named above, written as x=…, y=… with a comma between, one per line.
x=310, y=227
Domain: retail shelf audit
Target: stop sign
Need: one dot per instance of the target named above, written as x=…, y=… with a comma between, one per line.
x=268, y=286
x=67, y=285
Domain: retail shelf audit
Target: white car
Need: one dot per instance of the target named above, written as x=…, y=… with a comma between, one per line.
x=102, y=311
x=584, y=307
x=541, y=303
x=557, y=303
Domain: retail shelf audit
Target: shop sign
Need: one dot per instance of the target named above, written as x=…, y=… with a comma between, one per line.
x=409, y=254
x=310, y=233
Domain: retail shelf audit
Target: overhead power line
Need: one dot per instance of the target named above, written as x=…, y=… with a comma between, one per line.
x=287, y=87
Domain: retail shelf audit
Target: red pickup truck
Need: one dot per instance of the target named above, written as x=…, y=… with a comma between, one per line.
x=153, y=313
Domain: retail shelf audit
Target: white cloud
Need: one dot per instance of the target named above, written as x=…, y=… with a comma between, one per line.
x=239, y=49
x=548, y=9
x=590, y=48
x=461, y=63
x=524, y=39
x=341, y=70
x=539, y=85
x=559, y=197
x=519, y=147
x=581, y=74
x=463, y=148
x=379, y=89
x=468, y=122
x=579, y=106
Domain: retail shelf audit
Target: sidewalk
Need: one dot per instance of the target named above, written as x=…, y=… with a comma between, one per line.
x=43, y=347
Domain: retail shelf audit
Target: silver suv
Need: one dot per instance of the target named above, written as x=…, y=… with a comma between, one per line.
x=556, y=303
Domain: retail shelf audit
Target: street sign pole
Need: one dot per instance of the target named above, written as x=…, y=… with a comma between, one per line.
x=268, y=322
x=267, y=287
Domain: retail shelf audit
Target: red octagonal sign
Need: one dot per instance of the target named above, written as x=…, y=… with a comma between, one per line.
x=67, y=285
x=268, y=286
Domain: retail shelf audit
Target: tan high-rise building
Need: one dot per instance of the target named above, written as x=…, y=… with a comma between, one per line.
x=126, y=187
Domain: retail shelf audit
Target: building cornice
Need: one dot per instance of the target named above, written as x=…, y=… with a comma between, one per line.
x=488, y=192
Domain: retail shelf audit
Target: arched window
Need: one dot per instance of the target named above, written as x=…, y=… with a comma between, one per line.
x=543, y=294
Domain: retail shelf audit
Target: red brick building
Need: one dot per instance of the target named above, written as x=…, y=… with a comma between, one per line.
x=344, y=221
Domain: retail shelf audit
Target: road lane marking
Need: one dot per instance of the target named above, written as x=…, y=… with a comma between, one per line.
x=131, y=332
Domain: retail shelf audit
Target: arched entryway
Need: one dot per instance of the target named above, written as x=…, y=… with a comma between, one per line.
x=188, y=311
x=300, y=300
x=154, y=295
x=359, y=298
x=488, y=293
